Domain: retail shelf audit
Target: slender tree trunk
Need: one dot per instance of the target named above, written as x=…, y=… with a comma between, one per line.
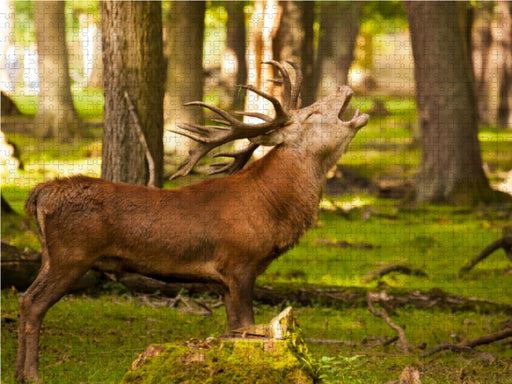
x=133, y=64
x=309, y=58
x=339, y=27
x=56, y=114
x=504, y=63
x=235, y=46
x=451, y=166
x=185, y=75
x=264, y=26
x=482, y=42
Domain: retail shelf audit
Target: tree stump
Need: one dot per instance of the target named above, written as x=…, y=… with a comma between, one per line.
x=251, y=359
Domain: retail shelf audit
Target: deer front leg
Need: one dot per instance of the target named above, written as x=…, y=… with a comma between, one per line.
x=239, y=302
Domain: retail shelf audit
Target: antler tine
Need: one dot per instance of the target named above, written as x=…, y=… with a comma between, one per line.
x=194, y=156
x=281, y=115
x=258, y=115
x=295, y=92
x=241, y=158
x=231, y=120
x=287, y=84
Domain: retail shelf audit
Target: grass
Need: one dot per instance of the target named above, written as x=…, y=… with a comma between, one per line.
x=93, y=338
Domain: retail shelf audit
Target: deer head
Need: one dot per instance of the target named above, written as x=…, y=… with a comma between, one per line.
x=318, y=129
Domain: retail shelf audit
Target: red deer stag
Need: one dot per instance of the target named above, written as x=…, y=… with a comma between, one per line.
x=225, y=230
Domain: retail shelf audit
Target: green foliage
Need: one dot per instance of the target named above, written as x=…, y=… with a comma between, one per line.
x=381, y=17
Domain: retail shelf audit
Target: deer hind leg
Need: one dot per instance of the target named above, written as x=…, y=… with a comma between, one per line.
x=52, y=282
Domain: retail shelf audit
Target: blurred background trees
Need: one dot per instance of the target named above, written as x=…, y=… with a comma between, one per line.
x=212, y=46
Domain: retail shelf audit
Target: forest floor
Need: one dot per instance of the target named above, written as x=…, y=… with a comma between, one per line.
x=366, y=222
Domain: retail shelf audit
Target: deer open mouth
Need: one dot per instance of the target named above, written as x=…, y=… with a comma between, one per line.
x=343, y=108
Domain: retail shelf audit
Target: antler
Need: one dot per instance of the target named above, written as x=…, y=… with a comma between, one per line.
x=230, y=128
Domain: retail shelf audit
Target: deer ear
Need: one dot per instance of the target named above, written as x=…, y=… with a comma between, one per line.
x=275, y=137
x=268, y=140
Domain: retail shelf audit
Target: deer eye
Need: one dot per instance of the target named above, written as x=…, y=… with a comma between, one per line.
x=315, y=112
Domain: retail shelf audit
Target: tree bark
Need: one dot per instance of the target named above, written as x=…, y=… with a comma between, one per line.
x=235, y=46
x=185, y=77
x=56, y=114
x=481, y=51
x=133, y=63
x=264, y=23
x=451, y=166
x=339, y=27
x=504, y=63
x=309, y=57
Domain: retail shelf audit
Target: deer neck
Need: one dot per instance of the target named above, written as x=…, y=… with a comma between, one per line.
x=289, y=186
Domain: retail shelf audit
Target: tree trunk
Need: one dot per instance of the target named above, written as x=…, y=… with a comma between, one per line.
x=504, y=63
x=481, y=52
x=56, y=114
x=309, y=60
x=294, y=40
x=133, y=63
x=235, y=46
x=339, y=27
x=185, y=75
x=264, y=26
x=451, y=166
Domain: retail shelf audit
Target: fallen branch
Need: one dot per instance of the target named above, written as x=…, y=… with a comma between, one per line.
x=386, y=269
x=505, y=242
x=142, y=138
x=468, y=345
x=344, y=244
x=406, y=346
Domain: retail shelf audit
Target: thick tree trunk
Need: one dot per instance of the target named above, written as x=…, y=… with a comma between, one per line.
x=56, y=114
x=185, y=75
x=451, y=166
x=133, y=63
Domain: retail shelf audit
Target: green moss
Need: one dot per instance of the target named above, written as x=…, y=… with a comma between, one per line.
x=222, y=361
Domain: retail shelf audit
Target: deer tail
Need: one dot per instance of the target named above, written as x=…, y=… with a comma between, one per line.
x=31, y=201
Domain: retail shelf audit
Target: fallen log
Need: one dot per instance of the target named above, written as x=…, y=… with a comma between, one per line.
x=19, y=268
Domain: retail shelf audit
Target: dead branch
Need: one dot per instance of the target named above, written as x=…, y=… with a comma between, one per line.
x=386, y=269
x=332, y=341
x=344, y=244
x=406, y=346
x=505, y=242
x=142, y=138
x=468, y=345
